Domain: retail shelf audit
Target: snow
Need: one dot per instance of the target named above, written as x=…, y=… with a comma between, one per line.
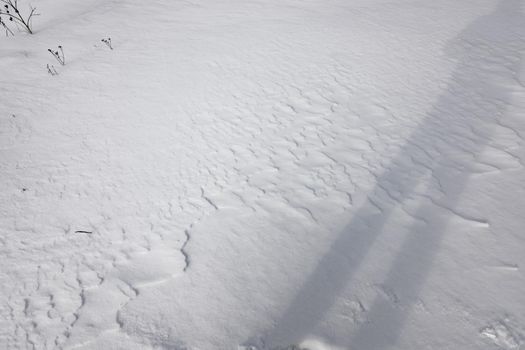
x=260, y=175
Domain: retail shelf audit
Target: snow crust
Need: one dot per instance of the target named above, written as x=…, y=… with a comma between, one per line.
x=278, y=174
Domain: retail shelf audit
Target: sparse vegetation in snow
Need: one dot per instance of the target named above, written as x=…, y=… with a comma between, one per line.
x=107, y=41
x=10, y=13
x=58, y=55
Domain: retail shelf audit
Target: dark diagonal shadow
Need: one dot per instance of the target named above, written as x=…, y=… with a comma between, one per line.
x=449, y=137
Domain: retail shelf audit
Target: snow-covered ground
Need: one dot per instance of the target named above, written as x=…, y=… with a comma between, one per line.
x=257, y=174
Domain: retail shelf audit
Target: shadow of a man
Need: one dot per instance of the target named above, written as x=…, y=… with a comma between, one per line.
x=443, y=149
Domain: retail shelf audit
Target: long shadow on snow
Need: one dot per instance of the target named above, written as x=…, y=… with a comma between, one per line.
x=450, y=136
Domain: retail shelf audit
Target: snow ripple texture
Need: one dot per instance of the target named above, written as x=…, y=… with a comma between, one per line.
x=265, y=175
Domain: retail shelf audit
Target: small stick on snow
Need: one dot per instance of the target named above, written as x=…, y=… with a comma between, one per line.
x=7, y=30
x=63, y=56
x=51, y=70
x=17, y=18
x=59, y=56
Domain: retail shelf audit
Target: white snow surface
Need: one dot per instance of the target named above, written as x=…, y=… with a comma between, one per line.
x=264, y=174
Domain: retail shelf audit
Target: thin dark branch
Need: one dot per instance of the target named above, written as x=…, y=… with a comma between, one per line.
x=7, y=30
x=60, y=58
x=17, y=16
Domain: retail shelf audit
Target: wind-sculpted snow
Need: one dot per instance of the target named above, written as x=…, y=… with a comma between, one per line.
x=265, y=175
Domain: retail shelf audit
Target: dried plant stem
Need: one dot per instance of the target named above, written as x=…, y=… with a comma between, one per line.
x=12, y=5
x=59, y=56
x=7, y=30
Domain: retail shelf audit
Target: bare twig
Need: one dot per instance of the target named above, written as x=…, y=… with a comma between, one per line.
x=51, y=70
x=63, y=56
x=7, y=30
x=59, y=56
x=11, y=11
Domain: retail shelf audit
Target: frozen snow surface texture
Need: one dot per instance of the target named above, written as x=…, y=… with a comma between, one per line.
x=263, y=175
